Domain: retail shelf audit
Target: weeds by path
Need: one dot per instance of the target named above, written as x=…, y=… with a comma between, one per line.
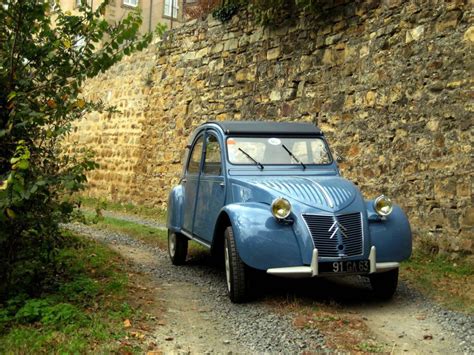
x=88, y=308
x=448, y=282
x=151, y=235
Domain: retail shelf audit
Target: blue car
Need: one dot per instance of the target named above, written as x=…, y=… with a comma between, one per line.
x=269, y=196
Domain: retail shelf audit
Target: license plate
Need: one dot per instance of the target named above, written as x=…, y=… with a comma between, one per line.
x=345, y=267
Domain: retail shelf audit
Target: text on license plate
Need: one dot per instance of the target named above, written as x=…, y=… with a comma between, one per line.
x=347, y=266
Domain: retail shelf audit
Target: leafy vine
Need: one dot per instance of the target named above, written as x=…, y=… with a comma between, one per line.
x=268, y=12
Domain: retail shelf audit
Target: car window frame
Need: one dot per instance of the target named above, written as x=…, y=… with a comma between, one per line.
x=191, y=150
x=331, y=159
x=222, y=156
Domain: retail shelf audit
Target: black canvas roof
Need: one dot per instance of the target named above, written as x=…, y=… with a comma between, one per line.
x=267, y=127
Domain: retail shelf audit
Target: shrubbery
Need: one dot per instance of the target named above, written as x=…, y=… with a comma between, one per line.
x=45, y=57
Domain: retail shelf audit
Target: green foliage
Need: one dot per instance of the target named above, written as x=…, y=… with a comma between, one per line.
x=269, y=12
x=441, y=278
x=41, y=310
x=227, y=10
x=46, y=54
x=278, y=12
x=154, y=213
x=160, y=29
x=83, y=311
x=272, y=12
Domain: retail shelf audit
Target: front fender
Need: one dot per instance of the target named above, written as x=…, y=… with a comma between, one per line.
x=175, y=209
x=391, y=236
x=262, y=242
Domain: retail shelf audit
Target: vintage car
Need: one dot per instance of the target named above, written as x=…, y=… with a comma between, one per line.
x=269, y=196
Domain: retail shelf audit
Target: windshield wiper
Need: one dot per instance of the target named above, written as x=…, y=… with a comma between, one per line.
x=252, y=159
x=293, y=156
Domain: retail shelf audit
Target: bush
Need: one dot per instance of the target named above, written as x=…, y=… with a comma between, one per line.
x=45, y=56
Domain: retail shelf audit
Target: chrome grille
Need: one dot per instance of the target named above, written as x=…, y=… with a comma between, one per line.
x=346, y=242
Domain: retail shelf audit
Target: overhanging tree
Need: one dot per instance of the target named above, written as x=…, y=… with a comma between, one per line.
x=45, y=57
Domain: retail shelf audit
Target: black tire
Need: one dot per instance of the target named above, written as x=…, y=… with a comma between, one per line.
x=236, y=273
x=177, y=248
x=384, y=284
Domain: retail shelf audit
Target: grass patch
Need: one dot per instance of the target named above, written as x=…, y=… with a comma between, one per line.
x=158, y=214
x=149, y=235
x=83, y=311
x=450, y=283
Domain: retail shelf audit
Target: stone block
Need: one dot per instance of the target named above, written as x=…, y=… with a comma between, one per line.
x=275, y=95
x=445, y=189
x=442, y=26
x=273, y=53
x=467, y=218
x=231, y=44
x=415, y=34
x=469, y=34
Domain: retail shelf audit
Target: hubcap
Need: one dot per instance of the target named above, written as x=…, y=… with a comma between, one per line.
x=227, y=265
x=172, y=244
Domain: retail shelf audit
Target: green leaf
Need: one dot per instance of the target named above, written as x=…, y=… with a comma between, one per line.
x=11, y=96
x=4, y=185
x=10, y=213
x=21, y=165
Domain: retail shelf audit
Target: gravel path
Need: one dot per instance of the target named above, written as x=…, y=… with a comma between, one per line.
x=409, y=323
x=249, y=327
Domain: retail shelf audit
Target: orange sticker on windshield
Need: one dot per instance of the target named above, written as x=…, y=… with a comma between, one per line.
x=230, y=141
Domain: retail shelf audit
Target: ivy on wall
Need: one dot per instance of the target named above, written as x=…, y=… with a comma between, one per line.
x=268, y=12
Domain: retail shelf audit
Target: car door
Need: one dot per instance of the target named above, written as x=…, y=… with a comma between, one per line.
x=211, y=190
x=190, y=182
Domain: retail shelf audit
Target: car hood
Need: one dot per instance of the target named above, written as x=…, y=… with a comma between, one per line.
x=327, y=193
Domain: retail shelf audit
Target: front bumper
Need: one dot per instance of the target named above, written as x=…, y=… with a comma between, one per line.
x=312, y=269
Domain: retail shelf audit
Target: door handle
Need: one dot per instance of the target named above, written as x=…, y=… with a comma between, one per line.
x=221, y=184
x=184, y=180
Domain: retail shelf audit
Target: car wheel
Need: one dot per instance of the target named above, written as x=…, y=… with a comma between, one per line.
x=235, y=269
x=177, y=247
x=384, y=284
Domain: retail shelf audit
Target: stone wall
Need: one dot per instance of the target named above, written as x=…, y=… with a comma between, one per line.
x=389, y=82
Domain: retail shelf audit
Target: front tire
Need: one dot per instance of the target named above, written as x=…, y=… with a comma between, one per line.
x=177, y=247
x=235, y=269
x=384, y=284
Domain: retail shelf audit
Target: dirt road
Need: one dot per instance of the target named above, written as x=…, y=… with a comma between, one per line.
x=200, y=319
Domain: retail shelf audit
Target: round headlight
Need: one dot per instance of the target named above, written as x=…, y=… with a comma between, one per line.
x=383, y=205
x=281, y=208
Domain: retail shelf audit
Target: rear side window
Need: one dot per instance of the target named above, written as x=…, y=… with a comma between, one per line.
x=195, y=157
x=212, y=163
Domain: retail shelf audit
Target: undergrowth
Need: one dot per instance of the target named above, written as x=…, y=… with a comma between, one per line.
x=81, y=311
x=97, y=204
x=449, y=282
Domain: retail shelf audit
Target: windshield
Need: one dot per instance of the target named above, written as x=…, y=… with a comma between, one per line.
x=282, y=150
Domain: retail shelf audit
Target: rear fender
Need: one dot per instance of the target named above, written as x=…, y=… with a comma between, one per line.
x=262, y=242
x=175, y=209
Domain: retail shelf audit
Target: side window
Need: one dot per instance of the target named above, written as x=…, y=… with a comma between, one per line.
x=195, y=157
x=212, y=163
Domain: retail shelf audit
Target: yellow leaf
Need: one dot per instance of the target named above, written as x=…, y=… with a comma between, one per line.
x=11, y=213
x=80, y=103
x=4, y=185
x=127, y=323
x=137, y=335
